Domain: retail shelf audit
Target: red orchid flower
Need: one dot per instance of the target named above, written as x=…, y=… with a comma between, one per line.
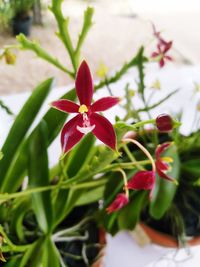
x=162, y=163
x=120, y=201
x=87, y=119
x=161, y=53
x=143, y=180
x=162, y=48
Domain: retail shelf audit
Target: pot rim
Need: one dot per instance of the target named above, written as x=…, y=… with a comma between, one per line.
x=166, y=240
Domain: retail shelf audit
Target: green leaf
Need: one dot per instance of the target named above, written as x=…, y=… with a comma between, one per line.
x=65, y=202
x=15, y=261
x=132, y=211
x=39, y=176
x=32, y=256
x=51, y=255
x=191, y=167
x=91, y=196
x=54, y=120
x=80, y=155
x=165, y=190
x=17, y=216
x=21, y=125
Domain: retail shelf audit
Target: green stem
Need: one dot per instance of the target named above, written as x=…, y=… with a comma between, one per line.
x=16, y=248
x=133, y=62
x=63, y=34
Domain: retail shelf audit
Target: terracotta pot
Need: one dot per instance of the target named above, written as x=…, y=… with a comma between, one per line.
x=166, y=240
x=100, y=257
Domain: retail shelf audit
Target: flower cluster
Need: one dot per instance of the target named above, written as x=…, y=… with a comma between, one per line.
x=88, y=120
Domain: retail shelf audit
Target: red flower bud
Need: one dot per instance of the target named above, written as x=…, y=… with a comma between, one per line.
x=120, y=201
x=164, y=123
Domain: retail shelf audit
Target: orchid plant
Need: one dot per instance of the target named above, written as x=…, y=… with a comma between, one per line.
x=49, y=215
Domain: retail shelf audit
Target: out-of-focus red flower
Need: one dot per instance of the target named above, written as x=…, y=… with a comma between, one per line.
x=162, y=48
x=163, y=163
x=164, y=123
x=143, y=180
x=120, y=201
x=87, y=119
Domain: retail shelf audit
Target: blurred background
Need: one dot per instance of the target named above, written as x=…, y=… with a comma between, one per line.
x=120, y=27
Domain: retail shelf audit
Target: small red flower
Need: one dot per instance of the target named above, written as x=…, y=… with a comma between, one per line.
x=164, y=123
x=162, y=48
x=162, y=163
x=120, y=201
x=161, y=53
x=143, y=180
x=87, y=119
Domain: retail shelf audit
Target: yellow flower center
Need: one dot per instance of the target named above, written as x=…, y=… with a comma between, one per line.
x=83, y=109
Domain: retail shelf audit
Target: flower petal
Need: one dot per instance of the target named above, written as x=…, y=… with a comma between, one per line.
x=104, y=103
x=120, y=201
x=162, y=62
x=65, y=106
x=70, y=136
x=161, y=148
x=167, y=46
x=163, y=175
x=103, y=130
x=161, y=165
x=142, y=180
x=154, y=54
x=84, y=84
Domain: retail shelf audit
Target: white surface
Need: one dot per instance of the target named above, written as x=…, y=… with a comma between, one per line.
x=122, y=249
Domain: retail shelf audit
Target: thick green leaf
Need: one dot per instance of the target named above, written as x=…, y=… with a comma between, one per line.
x=165, y=190
x=21, y=125
x=54, y=120
x=132, y=211
x=91, y=196
x=39, y=176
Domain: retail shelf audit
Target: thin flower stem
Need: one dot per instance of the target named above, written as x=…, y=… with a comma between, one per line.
x=125, y=181
x=146, y=152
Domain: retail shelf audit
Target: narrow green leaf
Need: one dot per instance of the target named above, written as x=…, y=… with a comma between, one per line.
x=17, y=215
x=65, y=202
x=54, y=120
x=21, y=125
x=165, y=190
x=39, y=176
x=51, y=255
